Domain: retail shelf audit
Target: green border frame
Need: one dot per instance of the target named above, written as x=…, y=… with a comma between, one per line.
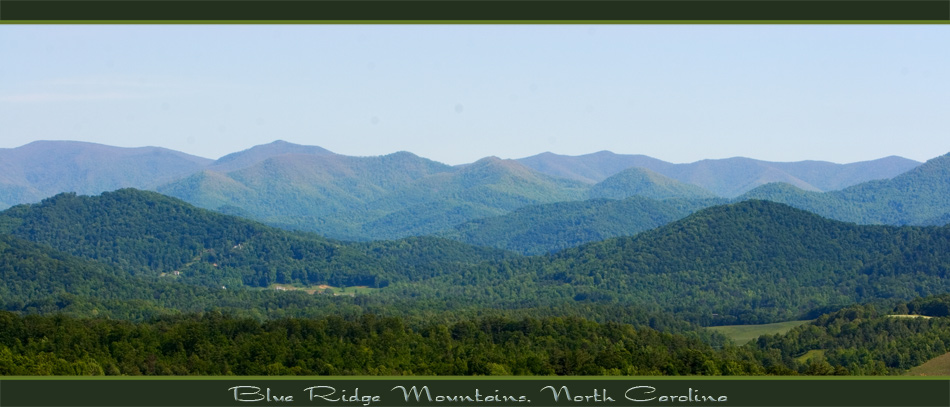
x=487, y=378
x=476, y=11
x=484, y=22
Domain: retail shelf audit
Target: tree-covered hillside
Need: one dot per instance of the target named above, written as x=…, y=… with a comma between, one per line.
x=148, y=233
x=758, y=261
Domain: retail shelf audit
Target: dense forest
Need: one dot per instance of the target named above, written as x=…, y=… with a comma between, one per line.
x=858, y=340
x=215, y=344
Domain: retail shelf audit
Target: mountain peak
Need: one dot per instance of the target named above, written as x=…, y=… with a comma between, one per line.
x=637, y=181
x=259, y=153
x=498, y=164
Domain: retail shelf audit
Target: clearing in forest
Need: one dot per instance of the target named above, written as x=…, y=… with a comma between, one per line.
x=742, y=334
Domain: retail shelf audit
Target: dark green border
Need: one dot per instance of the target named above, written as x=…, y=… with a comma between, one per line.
x=449, y=378
x=483, y=22
x=475, y=11
x=217, y=391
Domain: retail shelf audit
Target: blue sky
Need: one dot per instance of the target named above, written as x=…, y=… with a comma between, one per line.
x=454, y=94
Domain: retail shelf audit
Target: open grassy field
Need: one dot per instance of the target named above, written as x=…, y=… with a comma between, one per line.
x=938, y=366
x=818, y=354
x=741, y=334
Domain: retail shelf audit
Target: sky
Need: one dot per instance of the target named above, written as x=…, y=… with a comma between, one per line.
x=457, y=93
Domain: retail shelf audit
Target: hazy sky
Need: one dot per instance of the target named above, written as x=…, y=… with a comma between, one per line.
x=458, y=93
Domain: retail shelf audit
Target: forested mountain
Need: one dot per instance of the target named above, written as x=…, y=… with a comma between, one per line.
x=546, y=228
x=918, y=197
x=148, y=233
x=758, y=261
x=45, y=168
x=724, y=177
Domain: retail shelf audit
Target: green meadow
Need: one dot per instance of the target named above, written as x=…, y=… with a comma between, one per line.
x=938, y=366
x=741, y=334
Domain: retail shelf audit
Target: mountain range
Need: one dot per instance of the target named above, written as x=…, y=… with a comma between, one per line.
x=726, y=178
x=398, y=195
